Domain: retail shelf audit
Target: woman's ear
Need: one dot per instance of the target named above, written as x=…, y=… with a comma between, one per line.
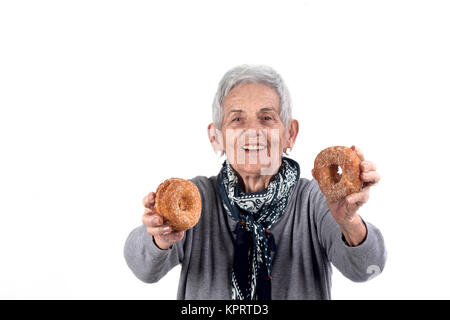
x=292, y=132
x=216, y=139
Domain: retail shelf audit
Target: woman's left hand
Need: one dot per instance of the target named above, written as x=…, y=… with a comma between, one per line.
x=344, y=211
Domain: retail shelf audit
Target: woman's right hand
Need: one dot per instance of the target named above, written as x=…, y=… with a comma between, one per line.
x=162, y=233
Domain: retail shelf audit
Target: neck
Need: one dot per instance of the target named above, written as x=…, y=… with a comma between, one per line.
x=251, y=182
x=254, y=183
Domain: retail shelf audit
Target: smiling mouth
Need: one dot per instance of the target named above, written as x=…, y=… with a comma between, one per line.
x=255, y=147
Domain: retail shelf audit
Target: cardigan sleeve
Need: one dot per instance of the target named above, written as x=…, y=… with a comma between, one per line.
x=359, y=263
x=148, y=262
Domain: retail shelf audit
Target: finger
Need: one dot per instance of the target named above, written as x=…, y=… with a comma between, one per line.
x=367, y=166
x=358, y=198
x=151, y=210
x=358, y=152
x=152, y=220
x=370, y=177
x=149, y=200
x=158, y=231
x=173, y=236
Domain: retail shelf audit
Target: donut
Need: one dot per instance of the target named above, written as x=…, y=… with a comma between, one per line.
x=336, y=185
x=179, y=202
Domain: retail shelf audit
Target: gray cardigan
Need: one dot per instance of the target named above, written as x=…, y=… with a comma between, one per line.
x=308, y=240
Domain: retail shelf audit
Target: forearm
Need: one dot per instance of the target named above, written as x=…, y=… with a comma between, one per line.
x=359, y=262
x=354, y=231
x=148, y=262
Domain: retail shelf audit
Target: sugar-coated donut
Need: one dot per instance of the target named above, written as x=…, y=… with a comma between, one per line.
x=333, y=185
x=179, y=202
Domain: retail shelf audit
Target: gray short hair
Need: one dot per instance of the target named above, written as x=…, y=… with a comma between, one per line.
x=252, y=73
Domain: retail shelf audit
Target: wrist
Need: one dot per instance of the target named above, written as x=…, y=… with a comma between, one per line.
x=351, y=223
x=354, y=231
x=163, y=245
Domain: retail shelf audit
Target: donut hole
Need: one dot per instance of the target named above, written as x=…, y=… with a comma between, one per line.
x=183, y=204
x=335, y=173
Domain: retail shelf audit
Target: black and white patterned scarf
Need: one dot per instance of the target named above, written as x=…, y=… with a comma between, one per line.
x=255, y=213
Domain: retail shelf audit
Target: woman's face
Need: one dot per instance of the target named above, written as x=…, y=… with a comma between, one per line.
x=253, y=132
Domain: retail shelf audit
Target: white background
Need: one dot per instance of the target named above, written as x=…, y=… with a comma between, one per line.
x=102, y=100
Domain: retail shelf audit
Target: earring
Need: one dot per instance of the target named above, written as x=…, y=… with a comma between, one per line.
x=286, y=151
x=219, y=153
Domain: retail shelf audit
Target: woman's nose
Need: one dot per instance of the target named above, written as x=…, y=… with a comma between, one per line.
x=254, y=124
x=254, y=135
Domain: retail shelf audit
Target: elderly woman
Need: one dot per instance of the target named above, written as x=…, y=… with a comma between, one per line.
x=265, y=232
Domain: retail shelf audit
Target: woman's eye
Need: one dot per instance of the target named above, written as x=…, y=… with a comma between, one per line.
x=267, y=118
x=236, y=119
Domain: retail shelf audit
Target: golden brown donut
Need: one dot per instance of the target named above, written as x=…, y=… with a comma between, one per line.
x=333, y=185
x=179, y=202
